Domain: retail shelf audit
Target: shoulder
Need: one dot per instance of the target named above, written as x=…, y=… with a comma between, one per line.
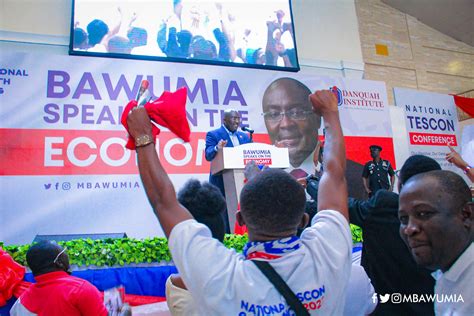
x=216, y=131
x=353, y=165
x=85, y=286
x=330, y=226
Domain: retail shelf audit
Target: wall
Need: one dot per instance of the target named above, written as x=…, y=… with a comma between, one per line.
x=419, y=57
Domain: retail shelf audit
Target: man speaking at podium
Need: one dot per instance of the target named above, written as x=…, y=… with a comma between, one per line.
x=227, y=135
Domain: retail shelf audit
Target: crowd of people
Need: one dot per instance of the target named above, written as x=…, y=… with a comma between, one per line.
x=426, y=228
x=416, y=243
x=211, y=35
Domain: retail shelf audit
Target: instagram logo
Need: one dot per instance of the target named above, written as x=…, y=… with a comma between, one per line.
x=396, y=298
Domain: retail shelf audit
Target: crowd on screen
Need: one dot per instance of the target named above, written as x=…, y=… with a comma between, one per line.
x=210, y=37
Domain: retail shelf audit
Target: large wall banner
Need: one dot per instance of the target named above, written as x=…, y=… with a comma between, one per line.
x=432, y=123
x=63, y=165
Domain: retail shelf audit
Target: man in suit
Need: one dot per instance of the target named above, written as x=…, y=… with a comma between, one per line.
x=291, y=123
x=227, y=135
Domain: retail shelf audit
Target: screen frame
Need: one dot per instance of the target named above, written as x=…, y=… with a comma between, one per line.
x=73, y=52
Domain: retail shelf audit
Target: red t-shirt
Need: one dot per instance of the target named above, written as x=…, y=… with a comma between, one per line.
x=58, y=293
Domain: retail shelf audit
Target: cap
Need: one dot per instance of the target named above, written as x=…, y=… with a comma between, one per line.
x=375, y=147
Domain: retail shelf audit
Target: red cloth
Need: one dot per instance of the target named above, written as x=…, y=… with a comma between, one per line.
x=58, y=293
x=169, y=110
x=240, y=230
x=136, y=300
x=11, y=277
x=465, y=104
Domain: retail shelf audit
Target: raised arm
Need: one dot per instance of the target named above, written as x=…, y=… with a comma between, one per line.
x=158, y=186
x=455, y=158
x=332, y=193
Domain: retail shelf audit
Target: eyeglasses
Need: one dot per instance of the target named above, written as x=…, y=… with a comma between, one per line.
x=293, y=114
x=59, y=254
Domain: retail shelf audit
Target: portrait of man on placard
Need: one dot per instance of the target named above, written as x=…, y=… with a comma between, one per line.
x=291, y=123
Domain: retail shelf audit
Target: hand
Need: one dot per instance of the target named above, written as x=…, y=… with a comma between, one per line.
x=251, y=170
x=139, y=122
x=133, y=18
x=303, y=182
x=287, y=26
x=455, y=158
x=221, y=144
x=281, y=144
x=323, y=101
x=272, y=26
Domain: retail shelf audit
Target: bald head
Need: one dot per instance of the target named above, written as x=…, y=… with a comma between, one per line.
x=436, y=214
x=231, y=119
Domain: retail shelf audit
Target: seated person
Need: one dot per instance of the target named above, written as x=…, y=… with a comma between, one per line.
x=436, y=215
x=206, y=203
x=272, y=206
x=56, y=292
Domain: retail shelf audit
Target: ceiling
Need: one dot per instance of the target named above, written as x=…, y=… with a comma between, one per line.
x=454, y=18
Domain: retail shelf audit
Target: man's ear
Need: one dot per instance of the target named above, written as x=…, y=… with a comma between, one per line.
x=304, y=221
x=467, y=214
x=60, y=265
x=240, y=218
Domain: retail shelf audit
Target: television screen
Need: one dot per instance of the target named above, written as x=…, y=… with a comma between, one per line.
x=245, y=33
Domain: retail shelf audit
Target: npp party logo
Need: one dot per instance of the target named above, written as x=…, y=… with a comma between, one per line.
x=338, y=93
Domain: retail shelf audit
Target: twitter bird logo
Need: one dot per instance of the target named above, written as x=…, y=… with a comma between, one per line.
x=47, y=186
x=384, y=298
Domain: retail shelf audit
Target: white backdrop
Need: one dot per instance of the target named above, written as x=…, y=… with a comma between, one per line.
x=63, y=168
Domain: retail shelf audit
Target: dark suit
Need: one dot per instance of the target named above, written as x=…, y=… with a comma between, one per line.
x=212, y=138
x=355, y=187
x=385, y=257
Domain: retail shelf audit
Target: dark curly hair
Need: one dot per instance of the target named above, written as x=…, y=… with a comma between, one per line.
x=417, y=164
x=272, y=202
x=206, y=203
x=96, y=29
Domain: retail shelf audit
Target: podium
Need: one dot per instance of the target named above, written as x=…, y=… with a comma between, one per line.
x=231, y=161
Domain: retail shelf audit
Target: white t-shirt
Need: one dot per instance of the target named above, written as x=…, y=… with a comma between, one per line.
x=222, y=282
x=359, y=294
x=454, y=289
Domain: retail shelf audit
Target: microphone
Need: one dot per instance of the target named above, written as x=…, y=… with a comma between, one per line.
x=143, y=93
x=248, y=129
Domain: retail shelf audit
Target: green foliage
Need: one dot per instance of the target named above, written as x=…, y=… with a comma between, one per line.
x=356, y=234
x=125, y=251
